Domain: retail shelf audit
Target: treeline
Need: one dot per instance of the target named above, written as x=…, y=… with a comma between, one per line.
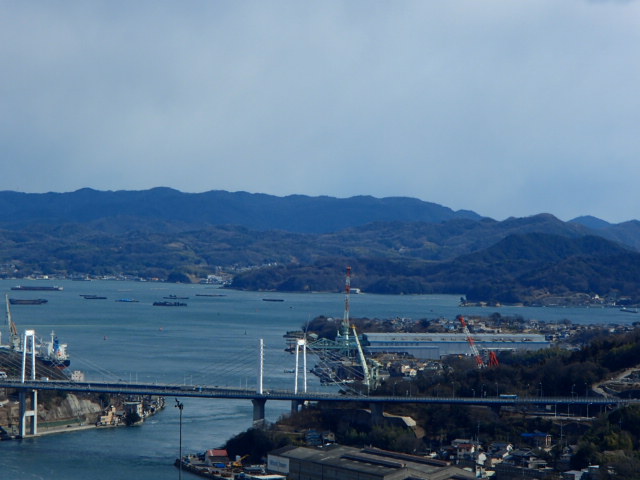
x=456, y=257
x=519, y=269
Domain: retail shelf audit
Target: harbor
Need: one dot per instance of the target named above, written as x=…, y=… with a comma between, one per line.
x=137, y=342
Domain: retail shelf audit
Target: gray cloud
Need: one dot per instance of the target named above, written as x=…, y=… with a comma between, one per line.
x=506, y=108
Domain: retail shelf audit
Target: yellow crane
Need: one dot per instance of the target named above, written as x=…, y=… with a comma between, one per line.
x=238, y=462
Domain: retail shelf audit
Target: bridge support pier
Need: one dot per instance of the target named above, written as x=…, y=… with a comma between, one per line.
x=377, y=413
x=29, y=337
x=295, y=405
x=258, y=411
x=26, y=414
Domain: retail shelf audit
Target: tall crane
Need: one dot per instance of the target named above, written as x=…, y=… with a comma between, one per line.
x=365, y=369
x=345, y=327
x=472, y=343
x=493, y=359
x=14, y=337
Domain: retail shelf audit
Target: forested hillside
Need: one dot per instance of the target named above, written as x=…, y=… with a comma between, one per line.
x=298, y=243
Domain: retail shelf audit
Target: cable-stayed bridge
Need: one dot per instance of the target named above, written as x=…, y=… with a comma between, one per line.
x=28, y=384
x=28, y=377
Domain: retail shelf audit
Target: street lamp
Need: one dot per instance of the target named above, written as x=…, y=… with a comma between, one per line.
x=180, y=406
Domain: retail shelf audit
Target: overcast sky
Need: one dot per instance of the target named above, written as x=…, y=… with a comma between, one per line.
x=507, y=108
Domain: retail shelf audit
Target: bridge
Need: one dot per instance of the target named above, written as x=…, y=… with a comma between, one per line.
x=259, y=399
x=28, y=384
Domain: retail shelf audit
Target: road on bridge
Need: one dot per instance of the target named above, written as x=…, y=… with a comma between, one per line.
x=207, y=391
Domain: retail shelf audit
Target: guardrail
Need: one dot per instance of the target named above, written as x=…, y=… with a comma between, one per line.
x=206, y=391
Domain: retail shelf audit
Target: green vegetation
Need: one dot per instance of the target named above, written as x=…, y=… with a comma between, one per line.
x=612, y=440
x=131, y=418
x=256, y=443
x=520, y=269
x=302, y=244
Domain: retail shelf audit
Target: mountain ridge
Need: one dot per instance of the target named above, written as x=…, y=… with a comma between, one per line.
x=298, y=243
x=294, y=213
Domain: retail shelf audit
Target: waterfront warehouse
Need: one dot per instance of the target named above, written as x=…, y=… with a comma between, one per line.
x=433, y=346
x=338, y=462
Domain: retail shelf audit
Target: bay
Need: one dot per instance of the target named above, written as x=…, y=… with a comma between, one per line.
x=214, y=341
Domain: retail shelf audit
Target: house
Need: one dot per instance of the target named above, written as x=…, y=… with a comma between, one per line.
x=216, y=458
x=109, y=418
x=497, y=452
x=134, y=408
x=525, y=458
x=572, y=475
x=465, y=448
x=524, y=464
x=537, y=439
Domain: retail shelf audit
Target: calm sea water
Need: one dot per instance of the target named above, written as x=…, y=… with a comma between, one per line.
x=214, y=340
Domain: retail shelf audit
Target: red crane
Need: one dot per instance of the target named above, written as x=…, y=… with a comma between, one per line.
x=472, y=343
x=493, y=359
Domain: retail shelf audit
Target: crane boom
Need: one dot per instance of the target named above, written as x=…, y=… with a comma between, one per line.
x=347, y=300
x=363, y=360
x=472, y=343
x=12, y=326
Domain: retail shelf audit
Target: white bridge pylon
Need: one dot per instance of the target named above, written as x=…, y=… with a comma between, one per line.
x=301, y=343
x=24, y=413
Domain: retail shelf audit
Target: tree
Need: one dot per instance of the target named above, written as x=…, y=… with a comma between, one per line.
x=131, y=418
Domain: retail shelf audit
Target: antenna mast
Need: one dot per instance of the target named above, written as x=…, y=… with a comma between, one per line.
x=345, y=319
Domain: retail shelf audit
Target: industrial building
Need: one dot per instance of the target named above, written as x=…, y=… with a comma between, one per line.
x=337, y=462
x=433, y=346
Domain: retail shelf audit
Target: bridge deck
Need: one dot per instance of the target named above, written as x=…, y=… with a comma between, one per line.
x=206, y=391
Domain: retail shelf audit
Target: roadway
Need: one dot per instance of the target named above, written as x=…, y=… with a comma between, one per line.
x=207, y=391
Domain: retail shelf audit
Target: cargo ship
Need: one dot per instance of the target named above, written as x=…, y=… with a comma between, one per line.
x=27, y=301
x=43, y=288
x=51, y=353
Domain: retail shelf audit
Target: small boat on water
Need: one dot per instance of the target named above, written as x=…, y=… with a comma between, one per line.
x=174, y=297
x=93, y=297
x=629, y=310
x=127, y=300
x=273, y=299
x=169, y=304
x=27, y=301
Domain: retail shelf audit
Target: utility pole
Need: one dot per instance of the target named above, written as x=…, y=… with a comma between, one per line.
x=180, y=406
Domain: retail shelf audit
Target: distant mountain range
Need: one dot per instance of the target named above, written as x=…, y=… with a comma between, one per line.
x=158, y=206
x=396, y=245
